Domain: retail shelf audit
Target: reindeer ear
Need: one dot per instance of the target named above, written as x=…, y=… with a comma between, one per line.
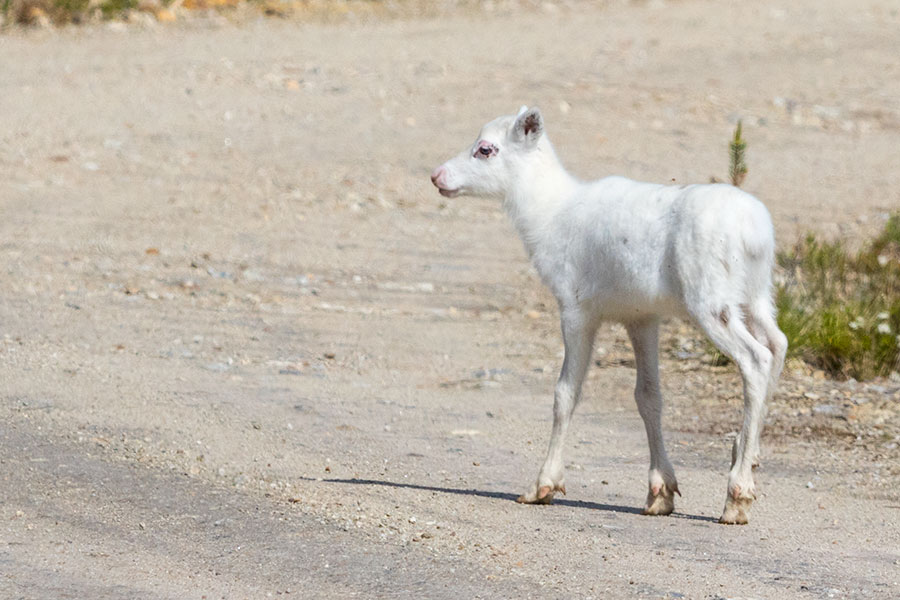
x=529, y=126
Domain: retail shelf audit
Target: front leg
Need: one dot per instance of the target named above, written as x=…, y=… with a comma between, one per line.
x=662, y=485
x=578, y=336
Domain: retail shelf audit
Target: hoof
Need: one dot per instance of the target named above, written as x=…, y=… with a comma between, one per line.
x=737, y=508
x=543, y=494
x=661, y=500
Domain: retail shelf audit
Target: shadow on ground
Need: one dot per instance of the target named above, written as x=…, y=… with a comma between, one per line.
x=506, y=496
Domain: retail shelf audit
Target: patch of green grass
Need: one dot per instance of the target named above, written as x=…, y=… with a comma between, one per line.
x=72, y=11
x=71, y=6
x=840, y=310
x=114, y=8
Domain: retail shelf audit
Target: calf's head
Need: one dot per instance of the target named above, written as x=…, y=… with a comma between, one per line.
x=488, y=167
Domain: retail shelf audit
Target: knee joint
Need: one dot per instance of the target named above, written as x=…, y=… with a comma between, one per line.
x=564, y=393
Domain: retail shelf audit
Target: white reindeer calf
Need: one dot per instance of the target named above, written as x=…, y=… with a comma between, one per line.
x=621, y=250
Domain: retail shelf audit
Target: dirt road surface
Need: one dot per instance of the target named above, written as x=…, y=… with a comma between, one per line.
x=246, y=351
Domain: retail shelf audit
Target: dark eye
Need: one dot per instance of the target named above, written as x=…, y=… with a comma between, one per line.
x=485, y=150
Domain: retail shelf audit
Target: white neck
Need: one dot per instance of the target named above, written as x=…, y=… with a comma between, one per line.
x=541, y=187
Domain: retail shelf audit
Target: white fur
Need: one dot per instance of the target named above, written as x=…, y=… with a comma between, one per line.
x=621, y=250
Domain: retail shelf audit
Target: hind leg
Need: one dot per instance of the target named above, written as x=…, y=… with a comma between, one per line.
x=726, y=328
x=762, y=325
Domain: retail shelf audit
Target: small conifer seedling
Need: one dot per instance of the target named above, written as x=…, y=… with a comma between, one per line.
x=738, y=170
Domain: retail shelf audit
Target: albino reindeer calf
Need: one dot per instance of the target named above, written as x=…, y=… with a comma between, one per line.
x=616, y=249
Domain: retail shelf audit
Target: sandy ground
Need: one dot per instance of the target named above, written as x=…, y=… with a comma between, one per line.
x=246, y=351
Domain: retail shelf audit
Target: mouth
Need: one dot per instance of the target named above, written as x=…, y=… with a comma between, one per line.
x=448, y=193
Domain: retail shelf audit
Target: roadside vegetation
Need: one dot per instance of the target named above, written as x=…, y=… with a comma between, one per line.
x=841, y=309
x=46, y=13
x=61, y=12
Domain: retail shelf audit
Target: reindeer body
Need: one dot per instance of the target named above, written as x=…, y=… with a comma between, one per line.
x=632, y=252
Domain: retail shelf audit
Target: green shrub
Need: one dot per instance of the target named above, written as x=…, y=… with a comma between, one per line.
x=841, y=311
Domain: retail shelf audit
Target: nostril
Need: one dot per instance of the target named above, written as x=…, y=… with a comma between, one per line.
x=438, y=174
